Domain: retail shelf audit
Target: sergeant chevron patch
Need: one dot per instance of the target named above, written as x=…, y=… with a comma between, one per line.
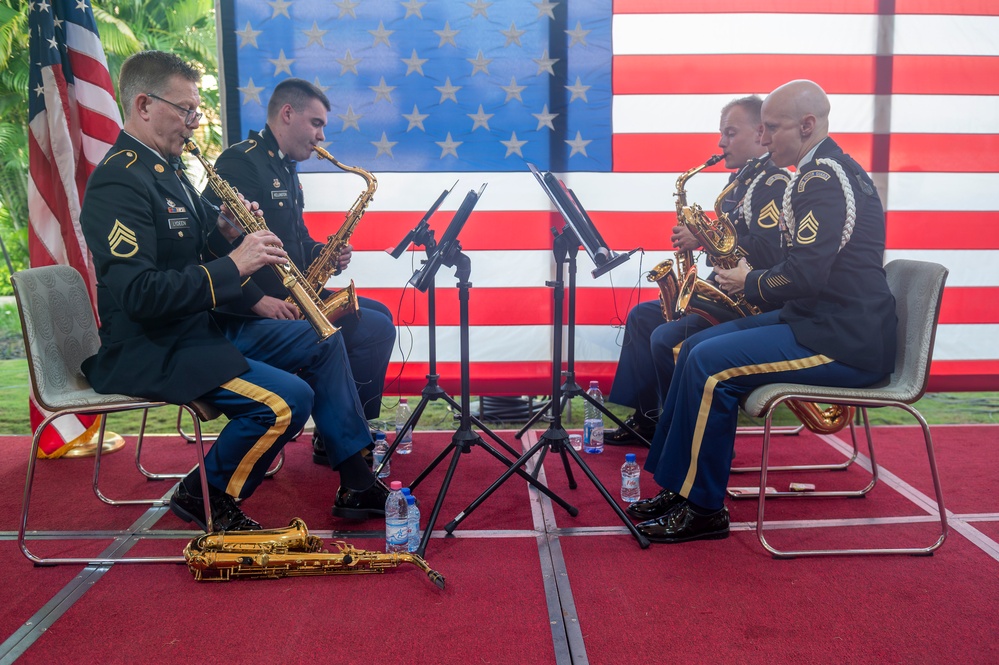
x=120, y=239
x=808, y=229
x=770, y=212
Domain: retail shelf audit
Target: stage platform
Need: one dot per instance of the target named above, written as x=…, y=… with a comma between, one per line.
x=526, y=582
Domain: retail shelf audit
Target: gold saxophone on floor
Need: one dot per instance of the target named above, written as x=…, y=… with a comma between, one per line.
x=327, y=264
x=287, y=552
x=304, y=296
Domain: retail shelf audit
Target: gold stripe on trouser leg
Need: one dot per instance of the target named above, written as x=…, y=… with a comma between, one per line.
x=282, y=417
x=676, y=351
x=707, y=396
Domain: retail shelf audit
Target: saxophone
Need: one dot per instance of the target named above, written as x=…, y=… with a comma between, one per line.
x=327, y=264
x=685, y=292
x=662, y=273
x=720, y=240
x=287, y=552
x=304, y=296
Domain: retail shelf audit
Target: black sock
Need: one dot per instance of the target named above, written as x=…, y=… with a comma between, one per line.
x=355, y=474
x=192, y=483
x=700, y=510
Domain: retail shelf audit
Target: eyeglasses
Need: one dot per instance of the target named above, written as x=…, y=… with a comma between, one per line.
x=190, y=115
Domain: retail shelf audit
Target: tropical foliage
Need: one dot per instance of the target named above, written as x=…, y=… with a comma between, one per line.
x=184, y=27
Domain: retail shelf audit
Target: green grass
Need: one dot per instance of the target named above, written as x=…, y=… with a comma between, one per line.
x=937, y=408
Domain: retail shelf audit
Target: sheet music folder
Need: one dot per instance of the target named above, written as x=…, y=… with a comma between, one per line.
x=577, y=219
x=445, y=250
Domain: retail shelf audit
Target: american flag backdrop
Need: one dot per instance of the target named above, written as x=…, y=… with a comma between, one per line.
x=619, y=97
x=73, y=120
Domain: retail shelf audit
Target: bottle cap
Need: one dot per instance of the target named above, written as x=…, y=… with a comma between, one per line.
x=410, y=499
x=396, y=485
x=379, y=435
x=403, y=400
x=406, y=490
x=629, y=457
x=594, y=384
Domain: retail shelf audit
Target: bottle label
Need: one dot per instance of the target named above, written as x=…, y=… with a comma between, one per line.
x=397, y=532
x=629, y=482
x=593, y=433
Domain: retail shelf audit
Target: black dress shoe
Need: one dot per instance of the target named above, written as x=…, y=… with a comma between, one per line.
x=226, y=515
x=683, y=524
x=319, y=450
x=361, y=504
x=622, y=437
x=657, y=506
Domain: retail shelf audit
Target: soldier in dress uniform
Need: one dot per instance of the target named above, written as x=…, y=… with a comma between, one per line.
x=650, y=342
x=264, y=169
x=835, y=326
x=163, y=264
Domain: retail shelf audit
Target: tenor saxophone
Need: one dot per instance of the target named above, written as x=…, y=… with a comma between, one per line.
x=304, y=296
x=287, y=552
x=327, y=264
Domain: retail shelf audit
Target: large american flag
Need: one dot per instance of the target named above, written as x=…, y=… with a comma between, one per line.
x=619, y=98
x=73, y=120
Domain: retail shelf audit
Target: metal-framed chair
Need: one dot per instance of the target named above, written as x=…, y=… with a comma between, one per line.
x=60, y=331
x=918, y=290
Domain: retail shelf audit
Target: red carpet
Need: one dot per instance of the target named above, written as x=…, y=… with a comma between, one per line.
x=517, y=591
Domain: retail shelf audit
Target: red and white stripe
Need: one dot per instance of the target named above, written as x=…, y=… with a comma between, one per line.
x=919, y=109
x=66, y=141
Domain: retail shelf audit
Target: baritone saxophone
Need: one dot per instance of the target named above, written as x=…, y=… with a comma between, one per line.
x=302, y=294
x=288, y=552
x=343, y=301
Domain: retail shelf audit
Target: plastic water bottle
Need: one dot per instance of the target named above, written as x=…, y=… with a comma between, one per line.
x=593, y=421
x=378, y=454
x=402, y=414
x=414, y=523
x=396, y=519
x=629, y=479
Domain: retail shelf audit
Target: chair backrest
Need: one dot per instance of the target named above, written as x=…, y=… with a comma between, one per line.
x=59, y=330
x=918, y=289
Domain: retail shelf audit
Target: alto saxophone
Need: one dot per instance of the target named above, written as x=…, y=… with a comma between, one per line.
x=662, y=273
x=304, y=296
x=720, y=241
x=327, y=264
x=287, y=552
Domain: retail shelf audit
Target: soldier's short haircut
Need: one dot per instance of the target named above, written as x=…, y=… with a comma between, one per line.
x=296, y=92
x=752, y=105
x=150, y=71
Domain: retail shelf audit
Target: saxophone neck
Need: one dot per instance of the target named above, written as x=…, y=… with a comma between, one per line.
x=370, y=179
x=687, y=175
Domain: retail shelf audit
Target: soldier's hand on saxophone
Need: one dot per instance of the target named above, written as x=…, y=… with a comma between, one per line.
x=733, y=281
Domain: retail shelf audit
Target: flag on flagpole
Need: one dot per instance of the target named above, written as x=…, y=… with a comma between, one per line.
x=619, y=97
x=73, y=120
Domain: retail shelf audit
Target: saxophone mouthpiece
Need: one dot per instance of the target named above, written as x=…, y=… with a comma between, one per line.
x=715, y=159
x=437, y=579
x=191, y=147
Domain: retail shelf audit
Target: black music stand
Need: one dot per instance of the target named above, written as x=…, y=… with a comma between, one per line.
x=448, y=252
x=565, y=244
x=579, y=223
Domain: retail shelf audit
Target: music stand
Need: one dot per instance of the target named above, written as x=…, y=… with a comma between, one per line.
x=448, y=253
x=565, y=244
x=578, y=222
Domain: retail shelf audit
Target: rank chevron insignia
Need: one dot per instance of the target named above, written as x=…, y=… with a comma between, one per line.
x=808, y=229
x=770, y=211
x=120, y=238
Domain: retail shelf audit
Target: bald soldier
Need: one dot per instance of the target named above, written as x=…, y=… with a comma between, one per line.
x=835, y=325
